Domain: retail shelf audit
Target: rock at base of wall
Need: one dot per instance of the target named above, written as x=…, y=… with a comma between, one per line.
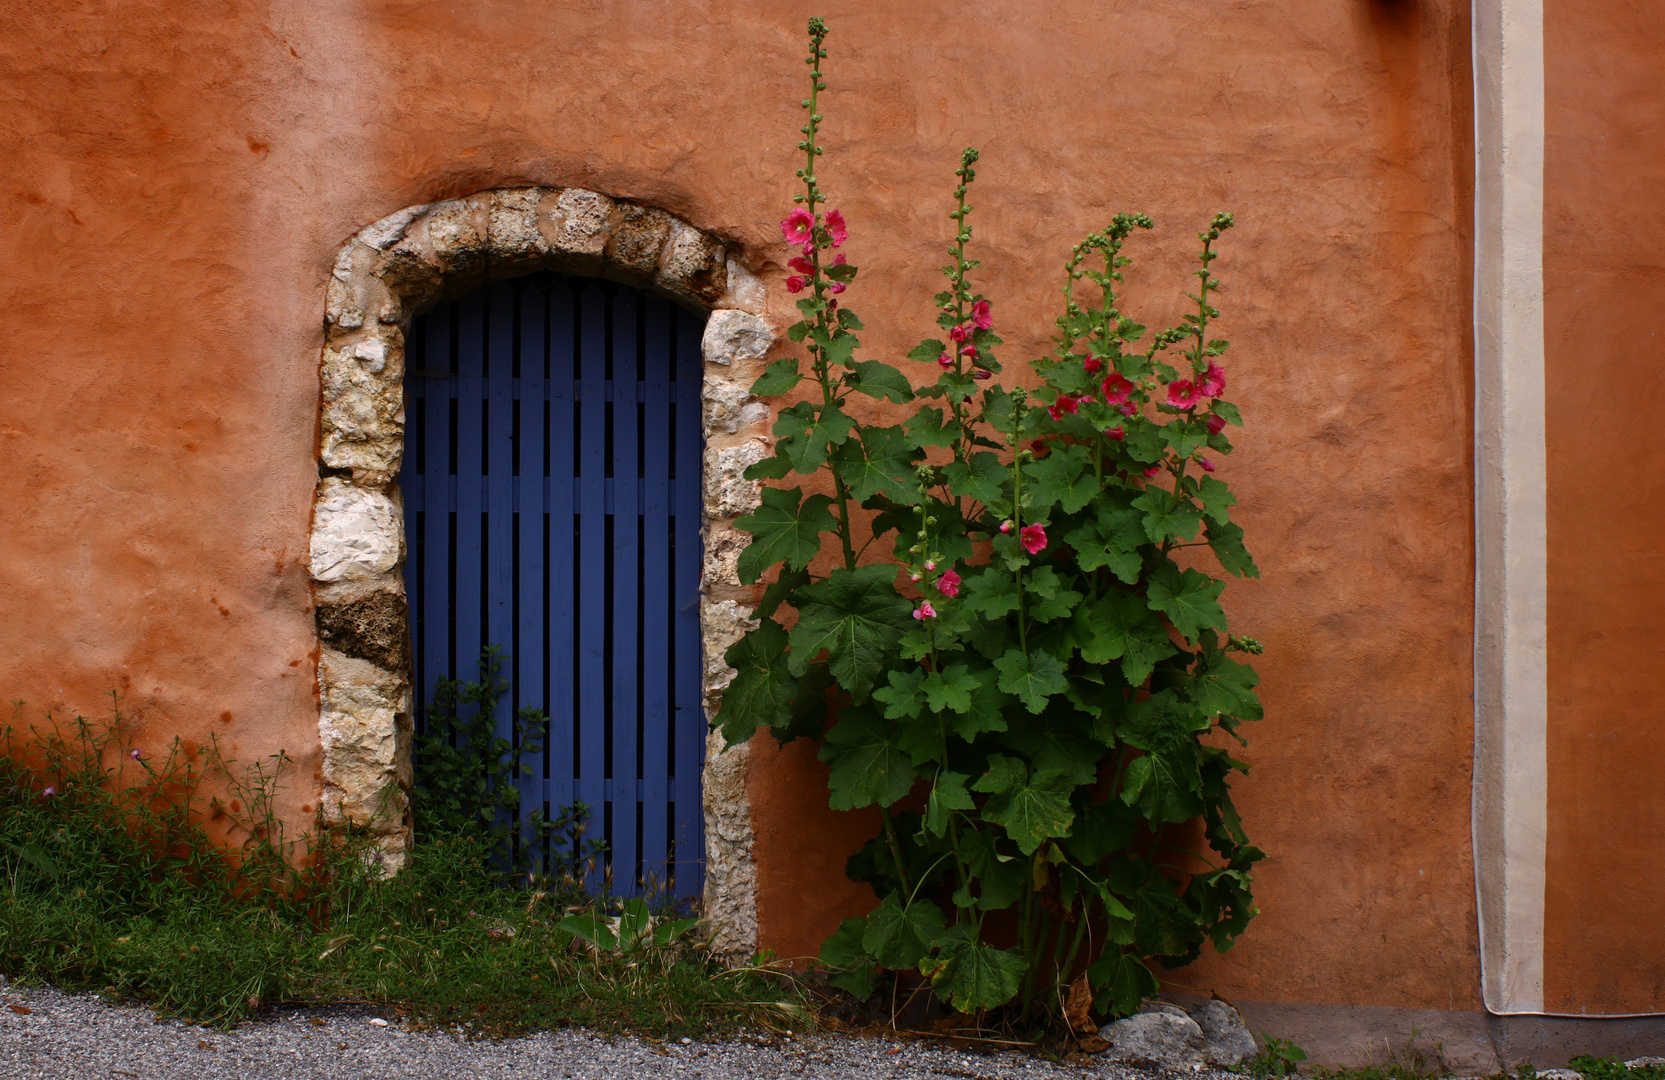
x=1164, y=1036
x=1229, y=1041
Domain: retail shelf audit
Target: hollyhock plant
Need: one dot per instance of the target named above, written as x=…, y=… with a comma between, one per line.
x=959, y=333
x=949, y=584
x=798, y=226
x=1115, y=389
x=836, y=229
x=1182, y=394
x=1034, y=538
x=980, y=316
x=945, y=361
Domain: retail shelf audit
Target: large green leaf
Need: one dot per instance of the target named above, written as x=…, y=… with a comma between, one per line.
x=905, y=694
x=926, y=429
x=970, y=975
x=865, y=760
x=899, y=934
x=990, y=591
x=1164, y=784
x=1224, y=686
x=1046, y=595
x=1120, y=981
x=1059, y=740
x=1032, y=809
x=1217, y=500
x=1227, y=542
x=1124, y=628
x=762, y=691
x=1168, y=517
x=879, y=463
x=848, y=965
x=807, y=434
x=875, y=378
x=1062, y=478
x=981, y=477
x=778, y=378
x=950, y=689
x=1032, y=678
x=783, y=530
x=857, y=616
x=948, y=794
x=1111, y=539
x=988, y=707
x=1191, y=600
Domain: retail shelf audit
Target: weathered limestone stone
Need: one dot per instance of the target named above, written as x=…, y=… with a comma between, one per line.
x=1158, y=1040
x=729, y=407
x=575, y=224
x=637, y=237
x=694, y=268
x=356, y=533
x=365, y=727
x=1229, y=1040
x=730, y=901
x=515, y=241
x=727, y=492
x=735, y=338
x=401, y=265
x=373, y=625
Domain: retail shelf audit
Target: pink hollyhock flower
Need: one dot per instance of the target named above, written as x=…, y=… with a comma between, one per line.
x=1115, y=389
x=925, y=611
x=1115, y=433
x=1093, y=365
x=1039, y=448
x=945, y=361
x=929, y=565
x=839, y=259
x=795, y=284
x=982, y=374
x=798, y=226
x=1005, y=527
x=969, y=352
x=1126, y=408
x=1213, y=381
x=949, y=584
x=1153, y=472
x=1208, y=466
x=1214, y=423
x=801, y=264
x=1182, y=394
x=1064, y=404
x=835, y=227
x=1034, y=538
x=980, y=315
x=959, y=333
x=914, y=577
x=835, y=287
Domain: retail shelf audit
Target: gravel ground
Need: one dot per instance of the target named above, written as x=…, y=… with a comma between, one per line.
x=44, y=1034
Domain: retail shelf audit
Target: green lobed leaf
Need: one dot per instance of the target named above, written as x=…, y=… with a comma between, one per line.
x=807, y=435
x=1061, y=479
x=1048, y=598
x=981, y=477
x=1217, y=500
x=783, y=530
x=849, y=967
x=905, y=694
x=899, y=935
x=877, y=379
x=1124, y=628
x=778, y=378
x=927, y=351
x=1032, y=678
x=990, y=591
x=1032, y=809
x=947, y=794
x=770, y=468
x=950, y=689
x=1224, y=686
x=1164, y=784
x=1168, y=517
x=763, y=687
x=970, y=975
x=1189, y=599
x=857, y=616
x=988, y=707
x=865, y=760
x=1120, y=982
x=879, y=463
x=926, y=429
x=1227, y=542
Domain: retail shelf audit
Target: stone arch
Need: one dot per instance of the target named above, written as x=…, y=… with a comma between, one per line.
x=399, y=267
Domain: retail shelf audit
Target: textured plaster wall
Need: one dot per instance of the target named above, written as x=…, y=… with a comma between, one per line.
x=180, y=178
x=1604, y=290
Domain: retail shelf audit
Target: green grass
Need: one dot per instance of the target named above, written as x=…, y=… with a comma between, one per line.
x=112, y=885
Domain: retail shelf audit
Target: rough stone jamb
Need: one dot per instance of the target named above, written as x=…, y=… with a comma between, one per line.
x=393, y=270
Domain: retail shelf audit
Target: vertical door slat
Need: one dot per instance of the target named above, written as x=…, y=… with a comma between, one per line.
x=500, y=536
x=563, y=597
x=626, y=589
x=689, y=714
x=531, y=524
x=591, y=641
x=469, y=602
x=436, y=500
x=657, y=603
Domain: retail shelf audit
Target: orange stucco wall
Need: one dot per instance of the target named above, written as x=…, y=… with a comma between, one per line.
x=1604, y=292
x=180, y=175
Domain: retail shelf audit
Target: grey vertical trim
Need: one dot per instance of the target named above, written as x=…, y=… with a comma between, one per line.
x=1511, y=689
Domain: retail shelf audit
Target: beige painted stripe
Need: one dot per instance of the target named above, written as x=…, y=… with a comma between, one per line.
x=1511, y=689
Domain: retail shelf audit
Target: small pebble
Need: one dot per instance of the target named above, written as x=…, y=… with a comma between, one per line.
x=376, y=1021
x=686, y=1041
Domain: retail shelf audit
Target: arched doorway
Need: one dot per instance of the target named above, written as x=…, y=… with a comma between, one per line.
x=551, y=483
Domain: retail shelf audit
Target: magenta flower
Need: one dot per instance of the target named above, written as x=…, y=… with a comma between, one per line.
x=959, y=333
x=925, y=611
x=949, y=584
x=1182, y=394
x=795, y=284
x=1213, y=381
x=1153, y=472
x=1207, y=466
x=798, y=226
x=914, y=577
x=835, y=287
x=1034, y=538
x=835, y=227
x=1126, y=408
x=945, y=361
x=1115, y=389
x=839, y=259
x=1005, y=527
x=1214, y=423
x=980, y=315
x=801, y=264
x=969, y=352
x=982, y=374
x=929, y=565
x=1064, y=404
x=1115, y=433
x=1093, y=365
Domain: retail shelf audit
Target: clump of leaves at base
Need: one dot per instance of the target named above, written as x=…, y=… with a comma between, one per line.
x=120, y=875
x=1026, y=682
x=466, y=778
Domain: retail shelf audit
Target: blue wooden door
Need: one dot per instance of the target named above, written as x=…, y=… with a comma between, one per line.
x=552, y=508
